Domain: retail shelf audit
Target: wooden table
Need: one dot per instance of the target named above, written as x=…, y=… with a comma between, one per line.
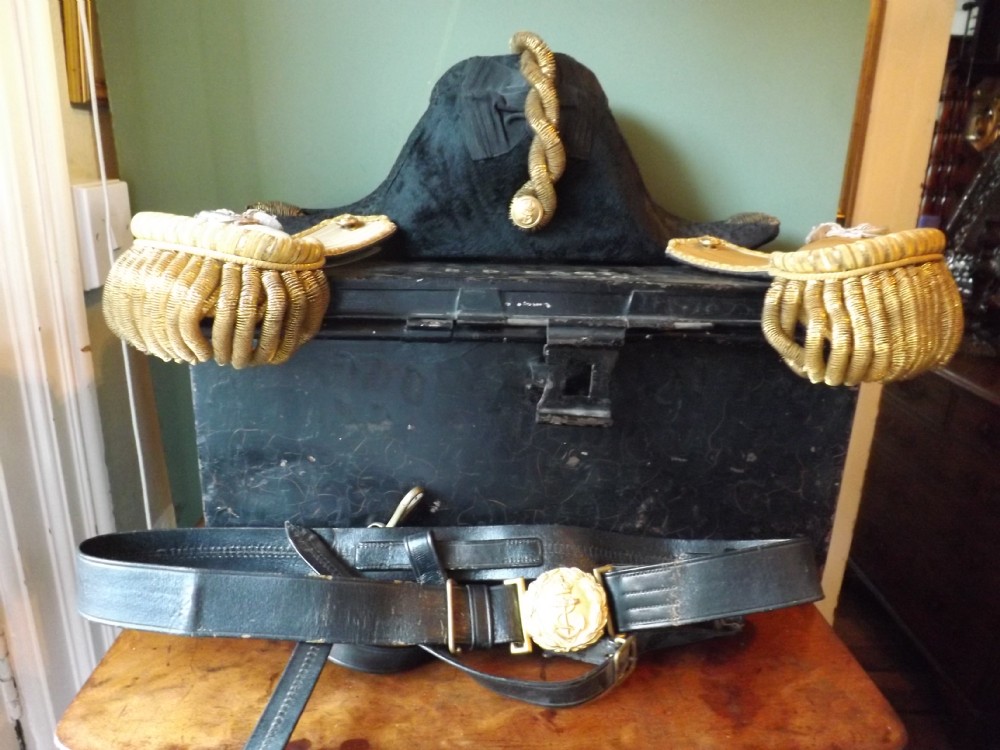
x=785, y=682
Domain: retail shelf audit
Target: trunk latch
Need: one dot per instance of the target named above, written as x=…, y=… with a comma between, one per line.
x=576, y=375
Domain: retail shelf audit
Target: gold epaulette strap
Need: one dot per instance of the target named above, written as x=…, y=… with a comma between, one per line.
x=877, y=309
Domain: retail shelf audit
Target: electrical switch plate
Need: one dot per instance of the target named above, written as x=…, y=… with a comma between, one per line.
x=96, y=240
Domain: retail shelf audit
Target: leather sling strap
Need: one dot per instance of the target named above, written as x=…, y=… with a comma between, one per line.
x=440, y=589
x=289, y=697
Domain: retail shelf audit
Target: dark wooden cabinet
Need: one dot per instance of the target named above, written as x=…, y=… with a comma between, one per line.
x=928, y=531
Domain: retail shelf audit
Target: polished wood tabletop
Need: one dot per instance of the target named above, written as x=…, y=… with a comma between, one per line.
x=785, y=682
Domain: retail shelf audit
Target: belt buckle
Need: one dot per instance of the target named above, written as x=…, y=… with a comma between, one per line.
x=563, y=610
x=626, y=657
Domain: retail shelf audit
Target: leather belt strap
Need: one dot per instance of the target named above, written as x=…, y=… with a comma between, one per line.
x=212, y=582
x=304, y=585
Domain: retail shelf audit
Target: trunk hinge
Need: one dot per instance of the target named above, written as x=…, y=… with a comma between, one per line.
x=576, y=375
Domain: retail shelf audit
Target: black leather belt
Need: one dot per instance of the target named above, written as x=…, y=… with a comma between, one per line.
x=596, y=596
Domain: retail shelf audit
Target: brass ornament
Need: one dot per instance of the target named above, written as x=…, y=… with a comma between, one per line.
x=526, y=211
x=564, y=609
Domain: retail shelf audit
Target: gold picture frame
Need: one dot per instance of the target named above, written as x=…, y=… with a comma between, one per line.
x=76, y=61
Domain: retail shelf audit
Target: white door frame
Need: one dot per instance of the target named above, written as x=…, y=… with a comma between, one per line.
x=904, y=104
x=53, y=480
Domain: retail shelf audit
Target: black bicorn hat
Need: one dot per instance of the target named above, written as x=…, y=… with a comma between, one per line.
x=485, y=133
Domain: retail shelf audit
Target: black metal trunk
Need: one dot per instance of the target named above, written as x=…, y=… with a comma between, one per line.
x=629, y=399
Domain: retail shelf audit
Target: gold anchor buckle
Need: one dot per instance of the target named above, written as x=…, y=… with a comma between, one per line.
x=564, y=609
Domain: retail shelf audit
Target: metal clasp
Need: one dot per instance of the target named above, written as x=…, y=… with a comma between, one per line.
x=576, y=375
x=410, y=501
x=449, y=604
x=626, y=657
x=526, y=646
x=599, y=575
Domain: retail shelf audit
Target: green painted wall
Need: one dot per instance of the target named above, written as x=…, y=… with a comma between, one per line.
x=728, y=105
